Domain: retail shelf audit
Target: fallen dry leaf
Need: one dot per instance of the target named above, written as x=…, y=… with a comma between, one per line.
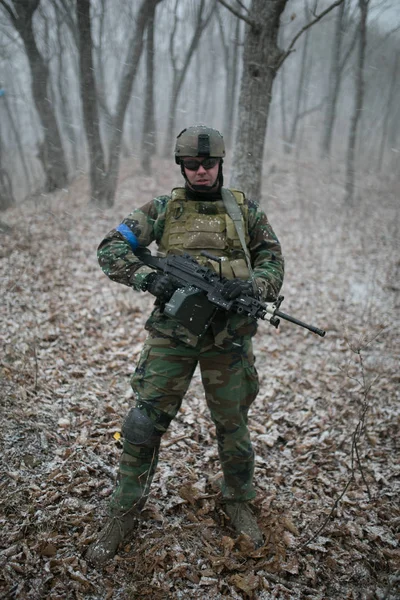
x=70, y=341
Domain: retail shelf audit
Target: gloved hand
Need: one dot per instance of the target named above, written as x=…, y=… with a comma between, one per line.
x=236, y=287
x=160, y=285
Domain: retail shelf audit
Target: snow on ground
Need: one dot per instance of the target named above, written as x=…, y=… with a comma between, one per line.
x=325, y=424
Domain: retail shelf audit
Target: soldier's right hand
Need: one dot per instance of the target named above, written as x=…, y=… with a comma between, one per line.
x=234, y=288
x=159, y=285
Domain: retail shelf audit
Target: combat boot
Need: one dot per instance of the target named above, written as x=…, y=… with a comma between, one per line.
x=244, y=521
x=109, y=538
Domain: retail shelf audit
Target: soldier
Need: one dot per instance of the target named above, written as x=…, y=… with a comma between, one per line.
x=191, y=219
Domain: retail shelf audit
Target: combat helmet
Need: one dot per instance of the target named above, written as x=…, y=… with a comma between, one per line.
x=199, y=140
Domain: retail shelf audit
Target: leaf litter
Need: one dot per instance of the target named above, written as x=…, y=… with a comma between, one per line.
x=325, y=425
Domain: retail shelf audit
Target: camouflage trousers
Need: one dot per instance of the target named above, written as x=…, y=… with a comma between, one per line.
x=161, y=379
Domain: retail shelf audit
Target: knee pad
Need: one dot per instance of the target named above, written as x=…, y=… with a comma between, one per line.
x=138, y=428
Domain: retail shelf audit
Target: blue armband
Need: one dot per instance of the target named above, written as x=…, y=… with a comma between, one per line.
x=128, y=235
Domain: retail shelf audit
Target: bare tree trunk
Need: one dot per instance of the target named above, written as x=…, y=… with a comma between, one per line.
x=128, y=77
x=209, y=69
x=339, y=60
x=234, y=82
x=6, y=193
x=231, y=59
x=335, y=77
x=359, y=99
x=51, y=152
x=282, y=104
x=17, y=136
x=89, y=103
x=149, y=128
x=180, y=74
x=300, y=89
x=260, y=62
x=106, y=118
x=385, y=126
x=104, y=179
x=65, y=104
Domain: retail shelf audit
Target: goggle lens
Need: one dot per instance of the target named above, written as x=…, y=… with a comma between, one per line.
x=194, y=165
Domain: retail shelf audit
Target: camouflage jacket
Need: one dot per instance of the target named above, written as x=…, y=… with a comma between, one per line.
x=147, y=223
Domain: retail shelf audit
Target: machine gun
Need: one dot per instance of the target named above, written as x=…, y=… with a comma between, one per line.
x=199, y=294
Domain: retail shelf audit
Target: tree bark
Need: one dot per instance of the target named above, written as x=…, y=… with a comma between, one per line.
x=300, y=89
x=97, y=167
x=282, y=103
x=104, y=177
x=385, y=127
x=6, y=193
x=65, y=105
x=358, y=105
x=106, y=118
x=128, y=77
x=180, y=74
x=231, y=59
x=17, y=136
x=260, y=62
x=51, y=152
x=149, y=129
x=234, y=81
x=335, y=77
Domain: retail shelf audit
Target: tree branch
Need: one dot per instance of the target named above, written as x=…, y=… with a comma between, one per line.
x=365, y=389
x=69, y=20
x=296, y=37
x=308, y=111
x=329, y=516
x=9, y=10
x=172, y=39
x=350, y=49
x=238, y=14
x=242, y=5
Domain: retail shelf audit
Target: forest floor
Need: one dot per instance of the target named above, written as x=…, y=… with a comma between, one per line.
x=325, y=425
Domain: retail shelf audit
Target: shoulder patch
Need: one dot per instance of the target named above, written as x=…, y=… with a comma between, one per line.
x=162, y=200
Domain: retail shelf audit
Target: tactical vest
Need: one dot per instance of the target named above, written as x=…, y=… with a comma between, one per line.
x=195, y=225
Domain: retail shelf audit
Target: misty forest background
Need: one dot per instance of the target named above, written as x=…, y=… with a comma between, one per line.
x=92, y=96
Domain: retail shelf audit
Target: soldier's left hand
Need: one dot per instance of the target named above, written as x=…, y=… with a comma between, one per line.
x=160, y=285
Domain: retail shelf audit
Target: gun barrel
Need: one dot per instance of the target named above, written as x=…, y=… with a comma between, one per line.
x=282, y=315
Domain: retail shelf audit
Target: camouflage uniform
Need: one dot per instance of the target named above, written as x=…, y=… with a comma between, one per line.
x=188, y=223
